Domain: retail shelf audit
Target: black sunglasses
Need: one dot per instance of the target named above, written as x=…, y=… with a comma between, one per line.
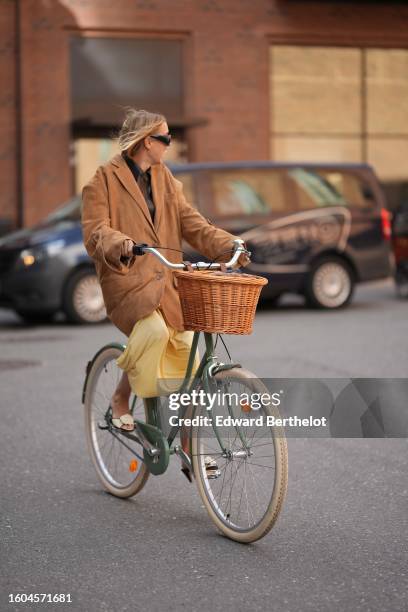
x=164, y=138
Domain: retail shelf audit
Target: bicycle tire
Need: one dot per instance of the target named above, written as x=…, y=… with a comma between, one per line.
x=93, y=418
x=274, y=506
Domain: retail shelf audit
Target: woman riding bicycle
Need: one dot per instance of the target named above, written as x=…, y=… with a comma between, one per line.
x=135, y=198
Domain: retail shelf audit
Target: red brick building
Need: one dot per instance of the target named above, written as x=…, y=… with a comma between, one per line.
x=267, y=79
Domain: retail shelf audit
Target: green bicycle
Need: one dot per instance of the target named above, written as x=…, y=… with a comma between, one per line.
x=245, y=488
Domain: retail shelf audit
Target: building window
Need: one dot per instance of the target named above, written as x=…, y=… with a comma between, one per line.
x=341, y=105
x=109, y=74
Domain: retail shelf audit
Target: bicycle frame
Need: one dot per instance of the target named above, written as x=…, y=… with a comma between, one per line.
x=207, y=365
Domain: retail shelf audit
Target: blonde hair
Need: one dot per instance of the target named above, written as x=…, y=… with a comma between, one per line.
x=137, y=125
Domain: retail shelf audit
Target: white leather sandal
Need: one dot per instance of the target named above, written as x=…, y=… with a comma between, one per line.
x=211, y=468
x=125, y=419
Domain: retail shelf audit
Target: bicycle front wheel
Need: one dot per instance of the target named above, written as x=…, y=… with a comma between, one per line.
x=118, y=460
x=241, y=475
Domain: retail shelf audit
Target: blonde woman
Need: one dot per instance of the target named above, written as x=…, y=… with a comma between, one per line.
x=135, y=198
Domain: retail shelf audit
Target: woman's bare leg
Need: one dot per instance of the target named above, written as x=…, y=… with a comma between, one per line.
x=185, y=440
x=120, y=406
x=185, y=432
x=120, y=399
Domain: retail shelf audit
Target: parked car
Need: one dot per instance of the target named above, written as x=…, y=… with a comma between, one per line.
x=400, y=246
x=46, y=269
x=313, y=229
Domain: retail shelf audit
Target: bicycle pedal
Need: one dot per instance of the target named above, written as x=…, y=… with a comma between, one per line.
x=103, y=425
x=187, y=473
x=212, y=475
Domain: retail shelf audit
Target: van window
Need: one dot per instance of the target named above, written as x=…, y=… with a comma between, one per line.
x=318, y=188
x=248, y=191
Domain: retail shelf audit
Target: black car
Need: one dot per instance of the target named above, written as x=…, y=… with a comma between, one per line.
x=46, y=269
x=313, y=229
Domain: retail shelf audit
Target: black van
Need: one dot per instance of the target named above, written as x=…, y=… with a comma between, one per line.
x=313, y=229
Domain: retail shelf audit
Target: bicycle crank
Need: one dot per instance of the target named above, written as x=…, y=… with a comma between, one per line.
x=157, y=456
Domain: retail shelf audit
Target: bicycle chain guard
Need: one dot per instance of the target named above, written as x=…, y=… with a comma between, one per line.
x=156, y=464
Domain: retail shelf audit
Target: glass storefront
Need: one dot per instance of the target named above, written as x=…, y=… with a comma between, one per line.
x=341, y=104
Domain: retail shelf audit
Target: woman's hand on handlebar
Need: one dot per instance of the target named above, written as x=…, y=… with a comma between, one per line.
x=244, y=259
x=126, y=252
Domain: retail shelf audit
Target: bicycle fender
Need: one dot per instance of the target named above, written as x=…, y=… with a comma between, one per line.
x=225, y=366
x=92, y=361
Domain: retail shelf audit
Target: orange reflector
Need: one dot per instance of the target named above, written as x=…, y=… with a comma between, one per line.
x=133, y=465
x=245, y=407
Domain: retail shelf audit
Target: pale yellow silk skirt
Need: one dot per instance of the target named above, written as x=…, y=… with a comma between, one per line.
x=156, y=356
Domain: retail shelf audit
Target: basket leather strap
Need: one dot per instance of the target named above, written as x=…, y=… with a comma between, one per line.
x=189, y=266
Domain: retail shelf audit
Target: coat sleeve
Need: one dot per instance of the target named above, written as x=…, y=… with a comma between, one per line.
x=102, y=242
x=213, y=242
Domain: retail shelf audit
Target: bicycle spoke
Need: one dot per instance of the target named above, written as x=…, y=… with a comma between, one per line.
x=205, y=454
x=232, y=484
x=255, y=476
x=239, y=506
x=264, y=456
x=247, y=500
x=255, y=487
x=263, y=444
x=259, y=465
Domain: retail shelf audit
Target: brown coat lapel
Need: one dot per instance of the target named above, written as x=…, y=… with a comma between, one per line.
x=127, y=179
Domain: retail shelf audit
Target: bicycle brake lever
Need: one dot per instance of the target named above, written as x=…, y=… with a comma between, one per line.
x=138, y=248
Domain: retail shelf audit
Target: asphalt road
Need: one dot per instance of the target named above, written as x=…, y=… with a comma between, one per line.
x=340, y=543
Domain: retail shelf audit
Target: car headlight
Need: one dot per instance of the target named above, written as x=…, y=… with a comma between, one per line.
x=29, y=257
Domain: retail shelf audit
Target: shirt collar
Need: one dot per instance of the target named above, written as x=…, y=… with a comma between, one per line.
x=134, y=166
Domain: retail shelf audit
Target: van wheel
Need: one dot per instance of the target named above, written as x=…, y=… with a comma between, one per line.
x=83, y=300
x=330, y=284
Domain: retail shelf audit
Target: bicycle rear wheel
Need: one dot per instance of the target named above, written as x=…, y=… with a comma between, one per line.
x=117, y=459
x=245, y=495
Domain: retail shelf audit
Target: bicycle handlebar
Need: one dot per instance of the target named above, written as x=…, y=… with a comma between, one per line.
x=142, y=249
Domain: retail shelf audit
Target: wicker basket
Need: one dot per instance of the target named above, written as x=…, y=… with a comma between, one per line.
x=219, y=302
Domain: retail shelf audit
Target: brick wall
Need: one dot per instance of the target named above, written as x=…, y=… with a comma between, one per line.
x=226, y=73
x=8, y=178
x=45, y=107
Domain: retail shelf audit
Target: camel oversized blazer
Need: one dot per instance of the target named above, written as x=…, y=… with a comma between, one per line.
x=114, y=209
